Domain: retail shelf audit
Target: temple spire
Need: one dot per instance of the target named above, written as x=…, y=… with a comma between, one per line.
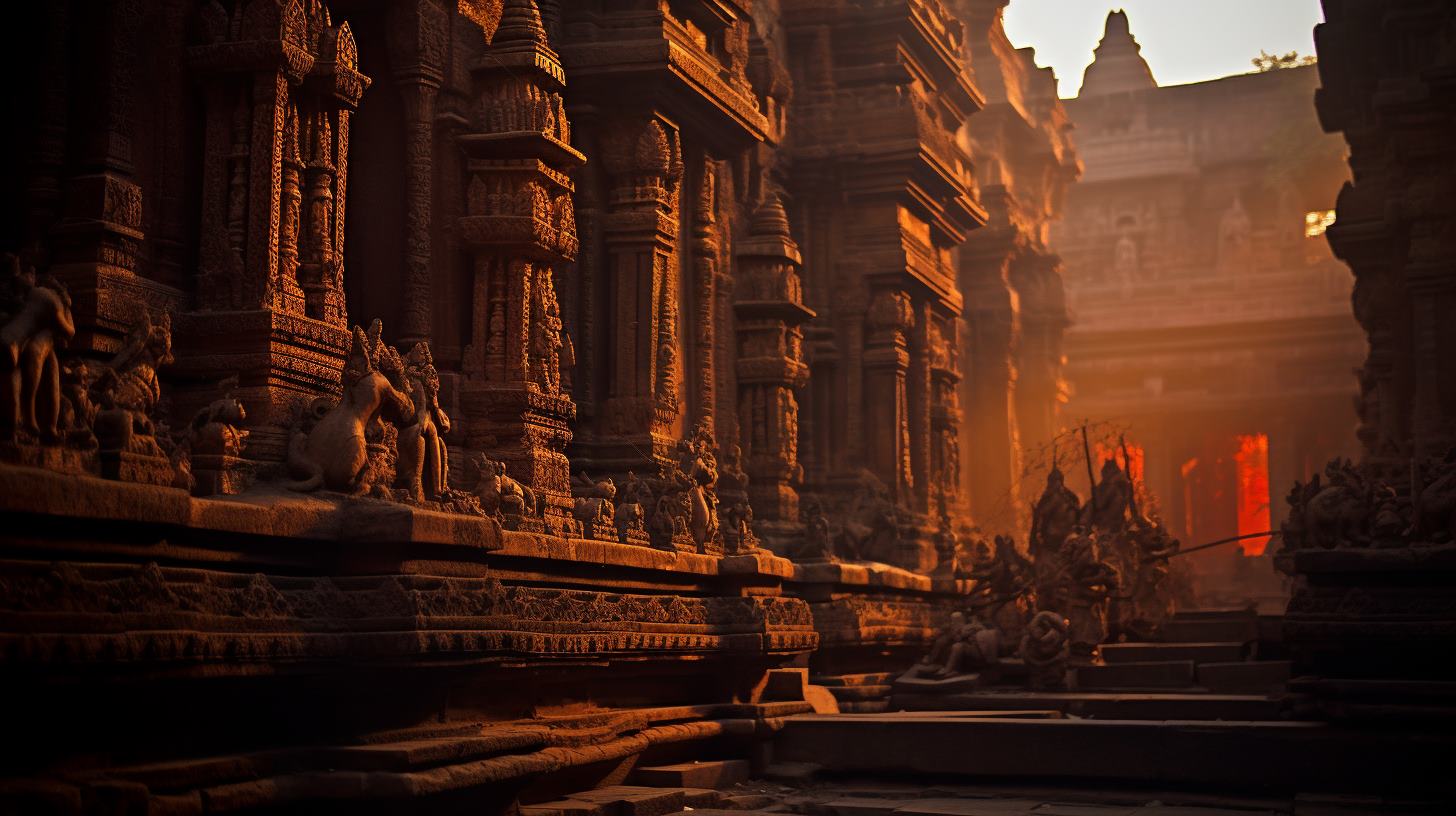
x=1117, y=65
x=520, y=22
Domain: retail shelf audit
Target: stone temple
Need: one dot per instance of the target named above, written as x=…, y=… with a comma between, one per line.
x=641, y=407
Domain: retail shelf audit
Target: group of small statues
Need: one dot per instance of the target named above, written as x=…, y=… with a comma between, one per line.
x=383, y=436
x=68, y=411
x=1095, y=573
x=1371, y=506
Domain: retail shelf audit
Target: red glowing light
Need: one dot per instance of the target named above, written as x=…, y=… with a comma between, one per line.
x=1252, y=463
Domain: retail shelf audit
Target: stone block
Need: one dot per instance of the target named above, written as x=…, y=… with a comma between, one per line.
x=1217, y=652
x=1151, y=674
x=1264, y=675
x=716, y=774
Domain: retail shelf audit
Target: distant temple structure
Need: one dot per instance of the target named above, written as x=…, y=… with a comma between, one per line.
x=1211, y=323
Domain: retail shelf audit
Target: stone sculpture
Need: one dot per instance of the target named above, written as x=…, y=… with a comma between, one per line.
x=35, y=322
x=423, y=466
x=1004, y=584
x=593, y=506
x=499, y=494
x=127, y=392
x=818, y=539
x=1091, y=583
x=215, y=439
x=334, y=453
x=964, y=645
x=1044, y=650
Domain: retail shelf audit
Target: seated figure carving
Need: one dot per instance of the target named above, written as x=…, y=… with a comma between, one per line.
x=334, y=454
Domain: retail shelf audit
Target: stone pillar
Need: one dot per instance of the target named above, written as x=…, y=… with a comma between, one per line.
x=768, y=307
x=639, y=230
x=1040, y=389
x=991, y=437
x=520, y=227
x=279, y=89
x=417, y=42
x=98, y=241
x=887, y=411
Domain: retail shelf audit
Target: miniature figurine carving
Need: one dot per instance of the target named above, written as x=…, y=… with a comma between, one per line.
x=1045, y=652
x=334, y=455
x=423, y=467
x=500, y=494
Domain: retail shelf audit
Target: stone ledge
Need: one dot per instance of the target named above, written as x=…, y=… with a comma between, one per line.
x=859, y=576
x=271, y=511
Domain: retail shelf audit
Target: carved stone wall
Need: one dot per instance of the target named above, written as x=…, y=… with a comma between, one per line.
x=881, y=193
x=1372, y=609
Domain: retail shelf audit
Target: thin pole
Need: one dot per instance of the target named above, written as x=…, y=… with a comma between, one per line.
x=1270, y=533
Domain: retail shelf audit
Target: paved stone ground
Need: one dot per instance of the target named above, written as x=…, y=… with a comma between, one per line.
x=795, y=791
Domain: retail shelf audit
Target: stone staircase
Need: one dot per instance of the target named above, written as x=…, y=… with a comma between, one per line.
x=1212, y=664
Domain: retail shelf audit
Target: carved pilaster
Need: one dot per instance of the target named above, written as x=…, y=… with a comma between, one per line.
x=417, y=44
x=639, y=231
x=519, y=228
x=768, y=305
x=280, y=83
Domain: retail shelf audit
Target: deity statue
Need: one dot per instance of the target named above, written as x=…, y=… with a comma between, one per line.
x=423, y=468
x=1004, y=583
x=1055, y=514
x=334, y=452
x=34, y=325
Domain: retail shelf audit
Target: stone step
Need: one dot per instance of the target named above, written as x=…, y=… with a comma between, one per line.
x=1204, y=652
x=1104, y=705
x=718, y=774
x=1234, y=630
x=1141, y=675
x=615, y=800
x=1269, y=757
x=846, y=694
x=872, y=679
x=1262, y=675
x=865, y=706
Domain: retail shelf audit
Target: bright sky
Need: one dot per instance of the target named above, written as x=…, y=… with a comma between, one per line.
x=1183, y=40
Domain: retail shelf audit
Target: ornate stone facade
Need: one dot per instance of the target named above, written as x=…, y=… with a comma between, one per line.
x=647, y=318
x=1369, y=544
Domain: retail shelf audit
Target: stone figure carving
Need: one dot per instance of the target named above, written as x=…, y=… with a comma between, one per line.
x=500, y=494
x=1333, y=514
x=818, y=539
x=1044, y=650
x=423, y=466
x=1152, y=600
x=1004, y=589
x=964, y=645
x=35, y=322
x=1055, y=514
x=215, y=438
x=334, y=452
x=699, y=464
x=127, y=393
x=630, y=513
x=593, y=505
x=871, y=526
x=1091, y=582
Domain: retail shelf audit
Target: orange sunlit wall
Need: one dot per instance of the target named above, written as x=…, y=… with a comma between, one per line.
x=1252, y=471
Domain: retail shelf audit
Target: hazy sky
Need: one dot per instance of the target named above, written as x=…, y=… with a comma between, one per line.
x=1182, y=40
